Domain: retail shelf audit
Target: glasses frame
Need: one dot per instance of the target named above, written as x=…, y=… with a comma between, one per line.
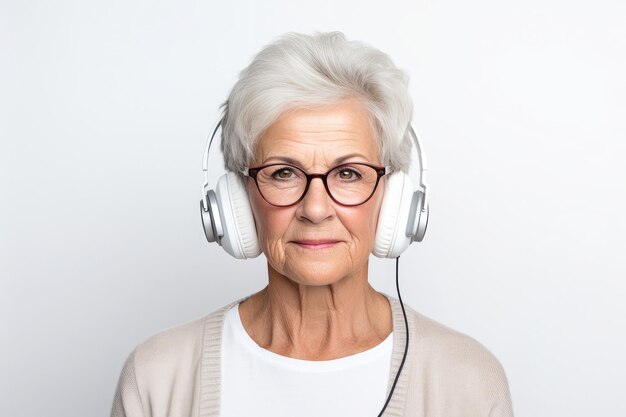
x=380, y=172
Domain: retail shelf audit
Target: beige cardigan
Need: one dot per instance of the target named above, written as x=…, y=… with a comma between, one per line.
x=176, y=372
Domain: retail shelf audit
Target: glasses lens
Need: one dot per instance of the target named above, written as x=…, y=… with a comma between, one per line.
x=352, y=184
x=281, y=185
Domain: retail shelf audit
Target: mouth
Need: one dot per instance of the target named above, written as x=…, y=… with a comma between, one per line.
x=316, y=244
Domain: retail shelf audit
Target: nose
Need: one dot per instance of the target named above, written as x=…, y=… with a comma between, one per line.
x=316, y=205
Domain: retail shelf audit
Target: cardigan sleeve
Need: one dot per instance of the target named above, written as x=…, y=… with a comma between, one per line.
x=127, y=401
x=502, y=406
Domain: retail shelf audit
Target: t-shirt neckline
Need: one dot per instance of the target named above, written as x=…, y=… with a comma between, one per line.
x=383, y=348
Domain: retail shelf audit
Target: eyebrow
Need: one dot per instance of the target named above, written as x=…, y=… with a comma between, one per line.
x=298, y=163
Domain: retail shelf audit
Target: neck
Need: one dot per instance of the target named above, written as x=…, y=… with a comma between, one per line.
x=317, y=322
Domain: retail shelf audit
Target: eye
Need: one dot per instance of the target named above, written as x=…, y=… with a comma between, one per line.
x=348, y=174
x=284, y=173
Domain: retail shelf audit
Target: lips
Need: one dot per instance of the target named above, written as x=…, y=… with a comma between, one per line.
x=316, y=244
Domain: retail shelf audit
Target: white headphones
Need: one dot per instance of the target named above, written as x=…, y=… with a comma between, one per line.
x=227, y=216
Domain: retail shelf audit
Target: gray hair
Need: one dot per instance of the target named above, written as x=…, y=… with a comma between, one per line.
x=303, y=71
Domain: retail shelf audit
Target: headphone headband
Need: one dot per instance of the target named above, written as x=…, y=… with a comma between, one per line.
x=205, y=161
x=421, y=157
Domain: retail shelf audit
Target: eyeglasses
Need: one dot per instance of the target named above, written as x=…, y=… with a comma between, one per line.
x=284, y=185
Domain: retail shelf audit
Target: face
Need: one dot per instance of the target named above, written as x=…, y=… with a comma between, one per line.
x=316, y=138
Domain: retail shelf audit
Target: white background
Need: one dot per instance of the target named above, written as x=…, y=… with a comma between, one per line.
x=106, y=106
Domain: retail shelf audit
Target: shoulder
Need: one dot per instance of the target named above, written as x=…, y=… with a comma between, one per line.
x=442, y=342
x=170, y=346
x=164, y=370
x=457, y=363
x=175, y=353
x=181, y=344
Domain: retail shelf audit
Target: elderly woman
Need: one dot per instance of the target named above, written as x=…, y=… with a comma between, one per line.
x=314, y=134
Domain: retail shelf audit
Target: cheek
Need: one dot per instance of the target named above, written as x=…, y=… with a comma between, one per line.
x=271, y=223
x=362, y=223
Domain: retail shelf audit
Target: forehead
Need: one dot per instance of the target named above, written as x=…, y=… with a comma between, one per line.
x=319, y=136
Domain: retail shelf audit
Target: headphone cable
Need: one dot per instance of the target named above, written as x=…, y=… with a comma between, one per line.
x=406, y=347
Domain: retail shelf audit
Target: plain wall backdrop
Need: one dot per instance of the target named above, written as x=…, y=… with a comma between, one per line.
x=105, y=109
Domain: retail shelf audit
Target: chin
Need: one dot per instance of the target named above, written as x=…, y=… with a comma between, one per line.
x=316, y=274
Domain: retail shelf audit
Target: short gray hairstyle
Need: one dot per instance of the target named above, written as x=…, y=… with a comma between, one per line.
x=304, y=71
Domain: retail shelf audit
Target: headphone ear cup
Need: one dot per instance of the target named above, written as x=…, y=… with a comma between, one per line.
x=391, y=239
x=418, y=217
x=211, y=221
x=240, y=238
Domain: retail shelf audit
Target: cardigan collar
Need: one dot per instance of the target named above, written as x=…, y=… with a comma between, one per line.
x=210, y=362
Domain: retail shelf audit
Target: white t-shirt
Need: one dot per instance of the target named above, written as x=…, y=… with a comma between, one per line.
x=258, y=382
